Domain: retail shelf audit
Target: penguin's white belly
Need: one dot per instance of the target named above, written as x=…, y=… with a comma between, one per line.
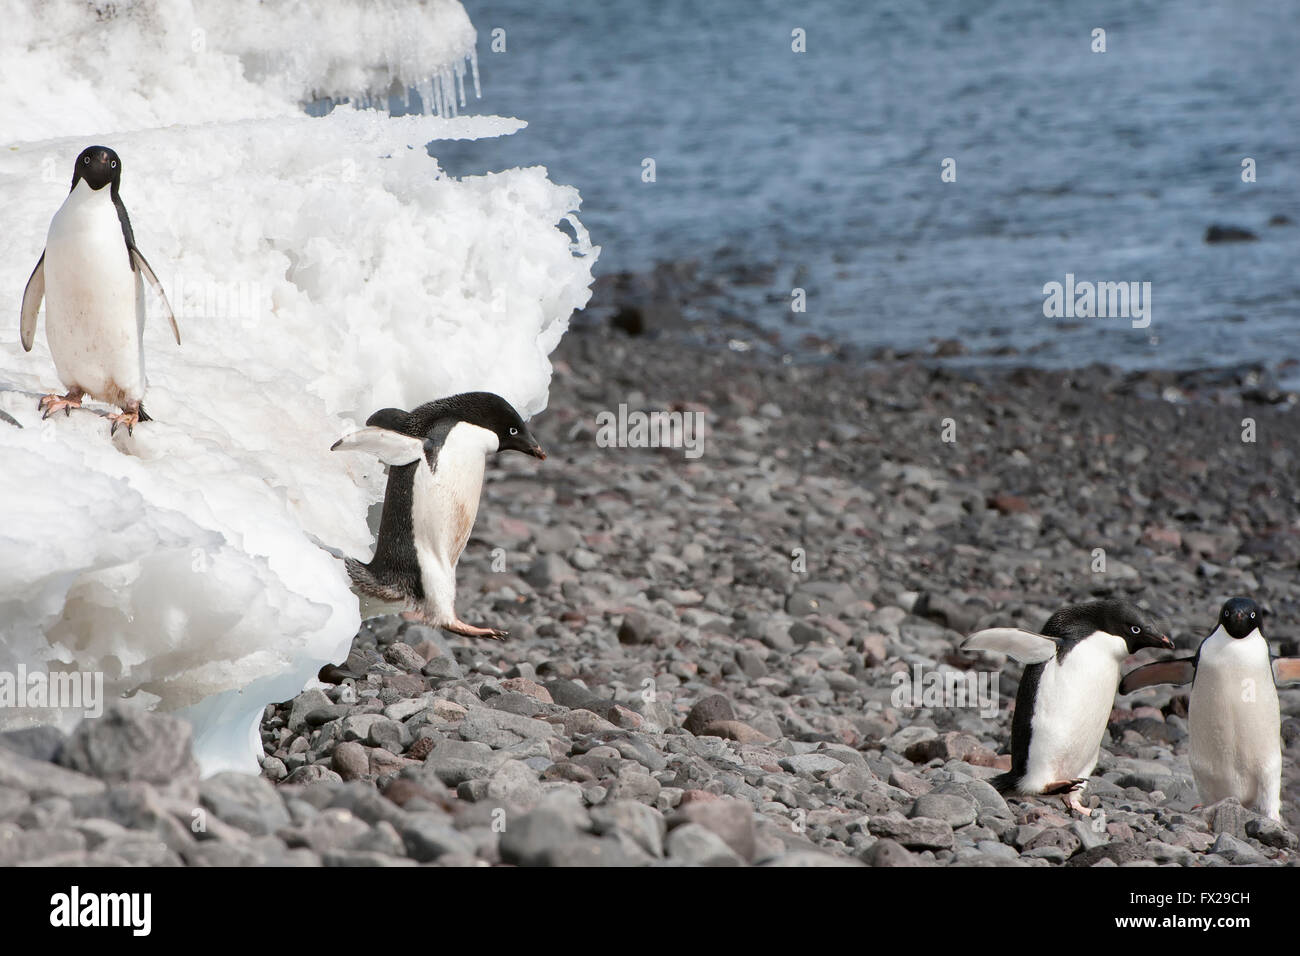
x=1071, y=709
x=93, y=300
x=1235, y=724
x=444, y=504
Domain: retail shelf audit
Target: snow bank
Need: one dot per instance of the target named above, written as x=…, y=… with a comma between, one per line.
x=320, y=268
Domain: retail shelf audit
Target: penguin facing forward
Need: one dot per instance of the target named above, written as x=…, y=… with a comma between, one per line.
x=91, y=276
x=1065, y=694
x=1234, y=719
x=436, y=456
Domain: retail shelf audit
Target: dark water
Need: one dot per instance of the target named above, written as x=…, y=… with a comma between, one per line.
x=826, y=164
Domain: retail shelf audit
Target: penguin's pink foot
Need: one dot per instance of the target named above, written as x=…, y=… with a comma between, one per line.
x=49, y=404
x=469, y=630
x=1072, y=802
x=128, y=418
x=1068, y=791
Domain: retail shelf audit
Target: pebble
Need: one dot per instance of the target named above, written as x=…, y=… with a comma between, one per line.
x=701, y=661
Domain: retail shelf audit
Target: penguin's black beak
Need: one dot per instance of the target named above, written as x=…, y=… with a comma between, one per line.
x=1163, y=640
x=536, y=451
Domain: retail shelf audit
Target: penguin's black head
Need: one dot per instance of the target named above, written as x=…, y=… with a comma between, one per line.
x=491, y=411
x=99, y=167
x=1240, y=617
x=1111, y=617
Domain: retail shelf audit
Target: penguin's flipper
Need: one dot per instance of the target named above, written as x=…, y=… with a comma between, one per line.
x=32, y=296
x=1286, y=670
x=142, y=264
x=1025, y=646
x=1178, y=671
x=390, y=447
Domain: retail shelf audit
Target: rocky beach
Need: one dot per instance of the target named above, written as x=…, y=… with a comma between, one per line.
x=723, y=659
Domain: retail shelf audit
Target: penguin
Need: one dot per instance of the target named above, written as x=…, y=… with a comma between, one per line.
x=436, y=456
x=1234, y=719
x=91, y=277
x=1065, y=694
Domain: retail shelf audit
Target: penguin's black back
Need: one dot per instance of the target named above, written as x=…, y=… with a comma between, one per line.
x=395, y=564
x=1021, y=729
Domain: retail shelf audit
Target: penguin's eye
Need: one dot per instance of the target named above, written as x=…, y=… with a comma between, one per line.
x=1252, y=615
x=85, y=160
x=515, y=431
x=113, y=164
x=1135, y=629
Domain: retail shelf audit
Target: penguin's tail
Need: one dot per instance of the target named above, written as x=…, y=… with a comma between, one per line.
x=368, y=585
x=1006, y=782
x=360, y=574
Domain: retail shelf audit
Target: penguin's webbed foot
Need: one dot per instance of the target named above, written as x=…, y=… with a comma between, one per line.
x=469, y=630
x=1073, y=802
x=130, y=418
x=49, y=404
x=1068, y=791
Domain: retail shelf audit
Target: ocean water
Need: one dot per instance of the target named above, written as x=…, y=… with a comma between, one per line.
x=821, y=170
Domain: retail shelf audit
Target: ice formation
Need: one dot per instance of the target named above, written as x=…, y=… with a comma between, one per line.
x=320, y=268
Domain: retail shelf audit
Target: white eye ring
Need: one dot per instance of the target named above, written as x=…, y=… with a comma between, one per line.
x=1252, y=615
x=86, y=161
x=113, y=164
x=514, y=431
x=1135, y=629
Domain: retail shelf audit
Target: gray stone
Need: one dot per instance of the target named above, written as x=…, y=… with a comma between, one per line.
x=634, y=785
x=40, y=779
x=955, y=810
x=887, y=852
x=549, y=571
x=1229, y=816
x=811, y=858
x=303, y=705
x=627, y=819
x=312, y=773
x=428, y=836
x=729, y=818
x=486, y=726
x=362, y=858
x=1271, y=833
x=127, y=744
x=917, y=833
x=39, y=743
x=696, y=845
x=538, y=838
x=350, y=760
x=706, y=711
x=514, y=785
x=808, y=765
x=248, y=803
x=23, y=846
x=1236, y=851
x=455, y=761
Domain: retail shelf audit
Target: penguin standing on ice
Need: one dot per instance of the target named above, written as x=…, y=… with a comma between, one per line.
x=1233, y=716
x=436, y=455
x=91, y=277
x=1065, y=695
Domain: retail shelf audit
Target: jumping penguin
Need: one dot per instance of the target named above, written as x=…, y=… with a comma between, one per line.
x=1066, y=692
x=1233, y=716
x=436, y=455
x=90, y=276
